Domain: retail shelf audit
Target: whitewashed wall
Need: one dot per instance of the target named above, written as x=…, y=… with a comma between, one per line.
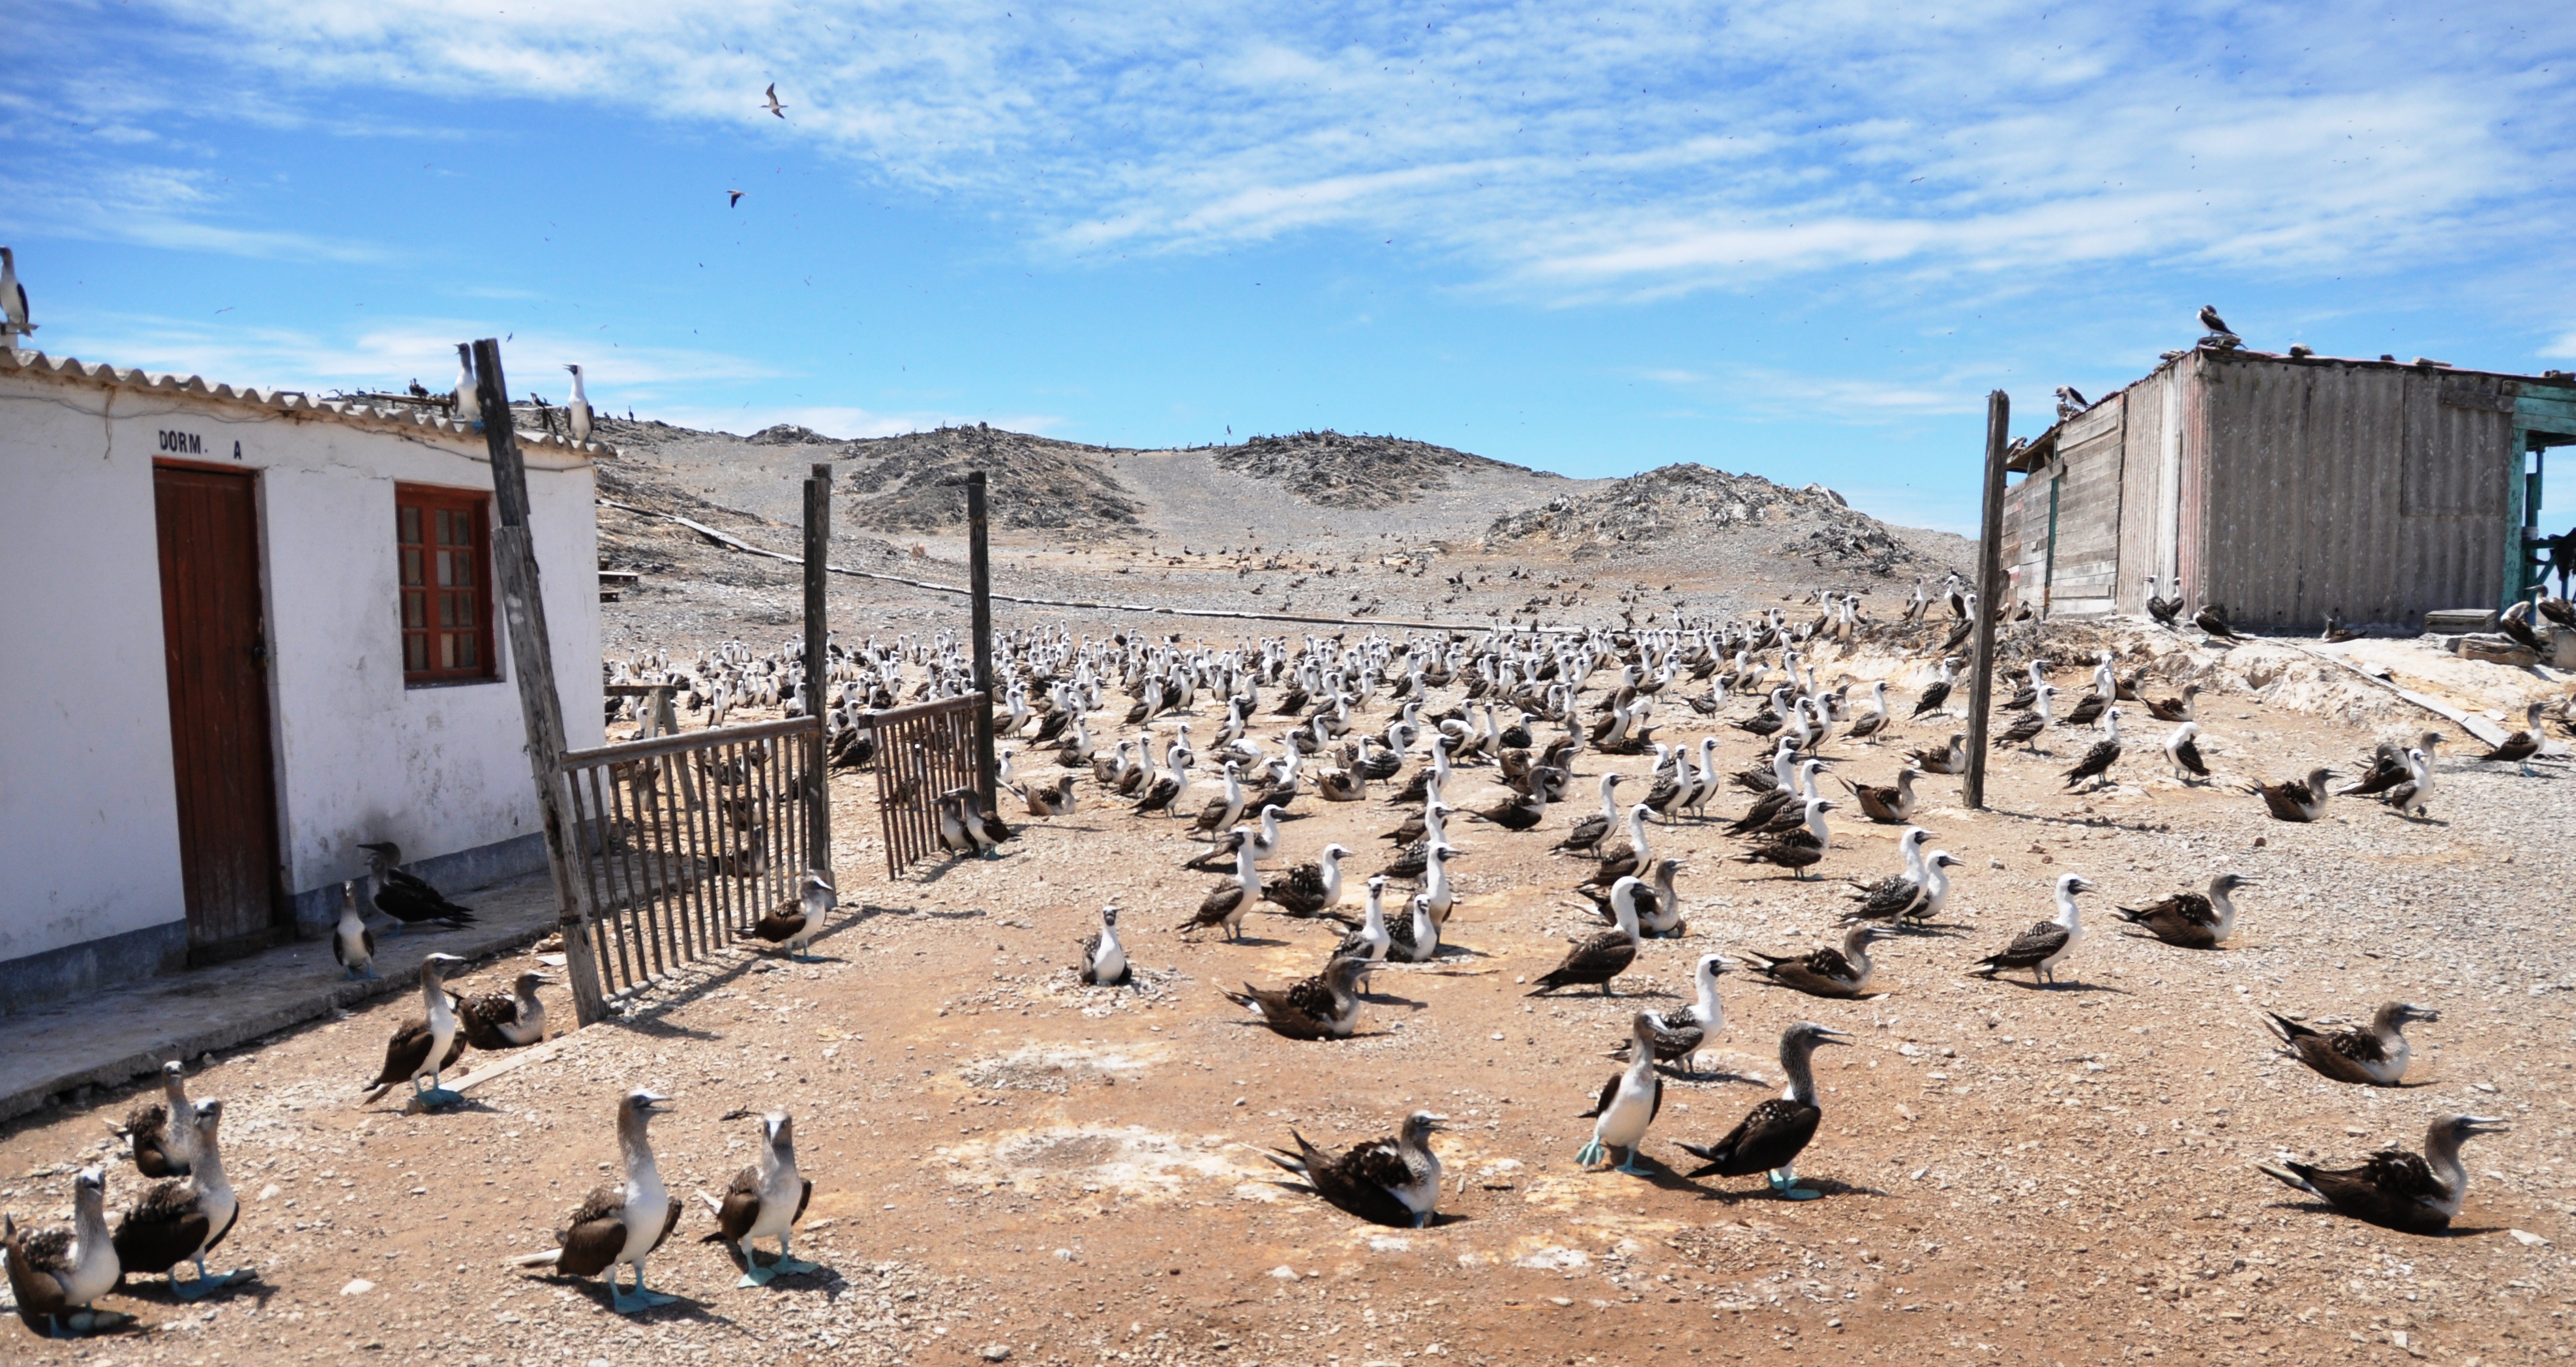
x=88, y=820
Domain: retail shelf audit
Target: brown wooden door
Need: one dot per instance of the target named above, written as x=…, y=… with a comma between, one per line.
x=214, y=638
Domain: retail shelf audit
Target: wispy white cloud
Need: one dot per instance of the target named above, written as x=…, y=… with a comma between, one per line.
x=391, y=353
x=1771, y=392
x=1568, y=150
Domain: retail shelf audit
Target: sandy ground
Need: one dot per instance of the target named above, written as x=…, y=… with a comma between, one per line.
x=1007, y=1163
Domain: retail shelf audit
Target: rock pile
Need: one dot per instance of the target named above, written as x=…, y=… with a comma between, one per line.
x=789, y=434
x=1332, y=470
x=1635, y=514
x=1035, y=483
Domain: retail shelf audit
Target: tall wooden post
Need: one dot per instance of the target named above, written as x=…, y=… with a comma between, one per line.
x=979, y=584
x=532, y=664
x=1990, y=575
x=818, y=665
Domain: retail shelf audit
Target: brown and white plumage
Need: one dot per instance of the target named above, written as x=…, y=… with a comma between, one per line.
x=184, y=1219
x=2192, y=920
x=2046, y=945
x=2411, y=1193
x=2373, y=1056
x=1325, y=1006
x=623, y=1224
x=1391, y=1181
x=764, y=1202
x=159, y=1149
x=2295, y=800
x=1827, y=971
x=429, y=1044
x=56, y=1271
x=1890, y=804
x=1597, y=959
x=496, y=1021
x=1227, y=902
x=1773, y=1134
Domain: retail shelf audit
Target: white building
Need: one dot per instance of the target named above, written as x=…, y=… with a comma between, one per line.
x=248, y=631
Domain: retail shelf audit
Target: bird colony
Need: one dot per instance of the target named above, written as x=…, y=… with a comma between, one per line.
x=1669, y=809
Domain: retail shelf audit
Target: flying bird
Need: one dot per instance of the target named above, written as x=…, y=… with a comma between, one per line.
x=774, y=107
x=736, y=198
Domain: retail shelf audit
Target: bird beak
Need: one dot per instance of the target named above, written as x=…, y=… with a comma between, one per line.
x=2423, y=1013
x=1826, y=1035
x=2484, y=1124
x=652, y=1103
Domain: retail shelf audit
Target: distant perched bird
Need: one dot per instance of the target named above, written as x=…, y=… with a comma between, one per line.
x=2518, y=748
x=469, y=405
x=2183, y=748
x=579, y=408
x=406, y=897
x=2164, y=610
x=2213, y=619
x=1389, y=1181
x=351, y=942
x=2393, y=1188
x=773, y=106
x=797, y=921
x=2069, y=402
x=13, y=299
x=2217, y=326
x=2095, y=767
x=160, y=1147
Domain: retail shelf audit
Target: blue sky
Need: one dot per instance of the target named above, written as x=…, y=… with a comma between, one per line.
x=1798, y=240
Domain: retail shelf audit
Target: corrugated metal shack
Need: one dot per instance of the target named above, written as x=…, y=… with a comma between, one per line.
x=2285, y=488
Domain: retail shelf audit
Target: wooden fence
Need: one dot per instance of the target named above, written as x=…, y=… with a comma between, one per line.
x=686, y=840
x=924, y=751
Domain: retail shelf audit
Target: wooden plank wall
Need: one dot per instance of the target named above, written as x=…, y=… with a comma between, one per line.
x=2142, y=492
x=2088, y=513
x=2349, y=489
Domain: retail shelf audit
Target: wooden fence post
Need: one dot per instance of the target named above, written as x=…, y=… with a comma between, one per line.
x=979, y=583
x=818, y=664
x=532, y=665
x=1990, y=573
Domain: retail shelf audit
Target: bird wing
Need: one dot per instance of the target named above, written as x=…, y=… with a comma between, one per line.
x=2032, y=945
x=1771, y=1134
x=161, y=1229
x=739, y=1210
x=47, y=1250
x=1607, y=954
x=405, y=1053
x=1601, y=1104
x=669, y=1222
x=479, y=1019
x=2361, y=1046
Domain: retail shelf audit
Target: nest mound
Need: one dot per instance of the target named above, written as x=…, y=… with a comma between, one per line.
x=1641, y=512
x=789, y=434
x=1332, y=470
x=1035, y=483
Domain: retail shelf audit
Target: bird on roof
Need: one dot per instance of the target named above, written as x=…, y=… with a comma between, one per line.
x=2373, y=1056
x=1389, y=1181
x=1772, y=1135
x=2192, y=920
x=2069, y=402
x=185, y=1218
x=623, y=1224
x=579, y=408
x=469, y=405
x=2415, y=1194
x=2217, y=326
x=56, y=1271
x=764, y=1202
x=2294, y=799
x=770, y=101
x=1628, y=1104
x=13, y=299
x=2046, y=945
x=160, y=1148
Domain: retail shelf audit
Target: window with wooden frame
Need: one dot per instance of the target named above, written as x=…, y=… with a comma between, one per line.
x=443, y=541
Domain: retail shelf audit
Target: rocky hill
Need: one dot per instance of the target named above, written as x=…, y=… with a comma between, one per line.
x=1645, y=512
x=1332, y=470
x=1036, y=483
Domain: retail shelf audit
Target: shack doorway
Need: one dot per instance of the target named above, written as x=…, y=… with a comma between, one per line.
x=214, y=642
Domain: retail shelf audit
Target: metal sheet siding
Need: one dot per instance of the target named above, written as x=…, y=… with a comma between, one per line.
x=2346, y=489
x=2141, y=489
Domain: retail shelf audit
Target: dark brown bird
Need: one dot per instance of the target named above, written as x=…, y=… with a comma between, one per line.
x=1325, y=1006
x=2192, y=920
x=2372, y=1056
x=2414, y=1194
x=2295, y=800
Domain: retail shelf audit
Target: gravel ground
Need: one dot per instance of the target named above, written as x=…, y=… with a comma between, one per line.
x=1007, y=1162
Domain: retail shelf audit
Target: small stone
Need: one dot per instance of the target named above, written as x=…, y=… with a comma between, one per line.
x=1284, y=1272
x=2528, y=1239
x=359, y=1287
x=997, y=1352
